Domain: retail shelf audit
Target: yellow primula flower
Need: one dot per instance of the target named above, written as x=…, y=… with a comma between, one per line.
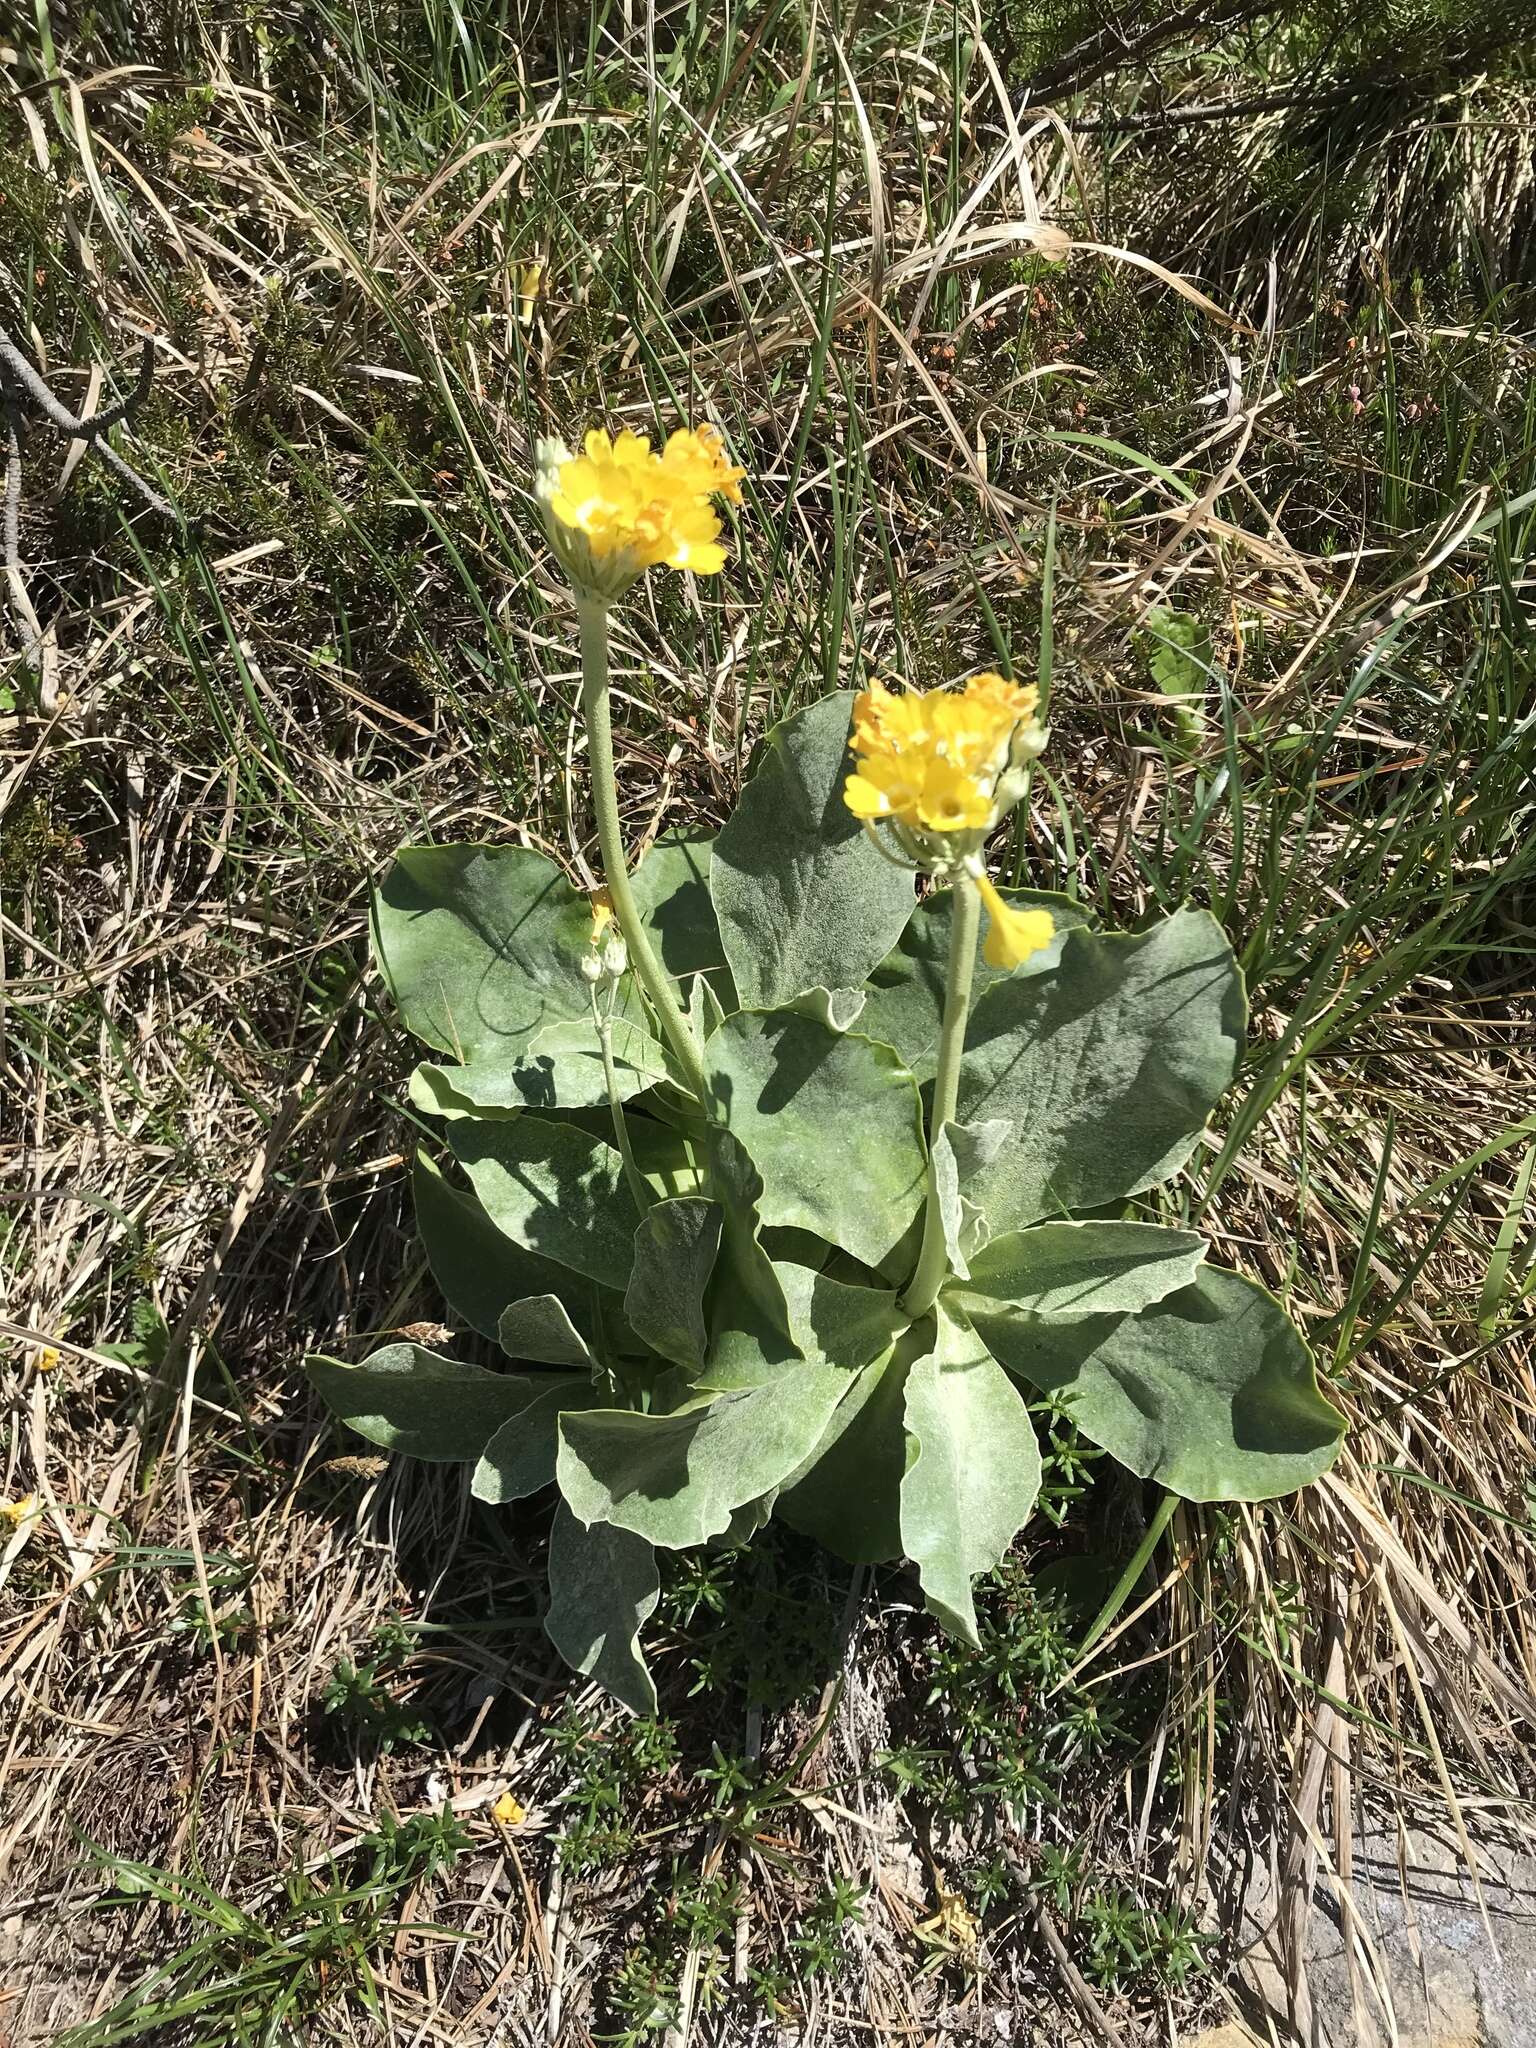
x=601, y=904
x=608, y=956
x=939, y=768
x=509, y=1810
x=941, y=761
x=619, y=508
x=18, y=1511
x=697, y=457
x=1013, y=936
x=930, y=793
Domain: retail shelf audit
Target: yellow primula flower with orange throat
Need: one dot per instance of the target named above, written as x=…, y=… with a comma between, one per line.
x=620, y=508
x=938, y=769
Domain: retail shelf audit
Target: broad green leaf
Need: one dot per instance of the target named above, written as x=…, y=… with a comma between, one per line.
x=1081, y=1269
x=677, y=1479
x=671, y=888
x=905, y=1000
x=520, y=1458
x=554, y=1189
x=831, y=1322
x=837, y=1324
x=603, y=1586
x=831, y=1122
x=959, y=1153
x=1177, y=648
x=706, y=1012
x=838, y=1009
x=798, y=1248
x=745, y=1523
x=804, y=900
x=749, y=1339
x=478, y=1269
x=972, y=1475
x=410, y=1400
x=847, y=1492
x=560, y=1066
x=481, y=946
x=662, y=1151
x=539, y=1329
x=1108, y=1067
x=431, y=1090
x=1210, y=1391
x=674, y=1256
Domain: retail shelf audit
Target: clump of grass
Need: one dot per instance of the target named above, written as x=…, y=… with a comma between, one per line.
x=278, y=1973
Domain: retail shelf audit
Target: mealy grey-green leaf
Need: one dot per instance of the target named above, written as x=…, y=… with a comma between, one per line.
x=539, y=1329
x=479, y=1270
x=674, y=1256
x=1210, y=1391
x=1076, y=1269
x=409, y=1399
x=904, y=1004
x=750, y=1337
x=958, y=1154
x=559, y=1065
x=832, y=1123
x=835, y=1323
x=677, y=1479
x=973, y=1471
x=520, y=1458
x=1109, y=1067
x=804, y=900
x=603, y=1586
x=554, y=1189
x=480, y=946
x=847, y=1492
x=671, y=889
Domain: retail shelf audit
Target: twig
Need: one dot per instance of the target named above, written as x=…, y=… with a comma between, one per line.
x=16, y=582
x=1176, y=116
x=21, y=386
x=21, y=372
x=1044, y=1927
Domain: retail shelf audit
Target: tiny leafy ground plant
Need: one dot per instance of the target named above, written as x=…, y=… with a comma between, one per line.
x=779, y=1199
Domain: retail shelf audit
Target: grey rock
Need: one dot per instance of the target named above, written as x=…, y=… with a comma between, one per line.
x=1412, y=1959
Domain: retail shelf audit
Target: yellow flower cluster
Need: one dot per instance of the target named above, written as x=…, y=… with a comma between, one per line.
x=619, y=508
x=933, y=759
x=940, y=767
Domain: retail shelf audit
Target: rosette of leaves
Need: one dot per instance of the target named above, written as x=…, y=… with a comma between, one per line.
x=721, y=1336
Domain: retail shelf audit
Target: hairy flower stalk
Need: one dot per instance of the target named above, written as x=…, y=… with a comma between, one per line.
x=936, y=771
x=649, y=972
x=612, y=512
x=960, y=971
x=604, y=967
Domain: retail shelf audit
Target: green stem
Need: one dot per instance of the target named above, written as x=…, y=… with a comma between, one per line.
x=632, y=1173
x=610, y=839
x=965, y=922
x=1125, y=1585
